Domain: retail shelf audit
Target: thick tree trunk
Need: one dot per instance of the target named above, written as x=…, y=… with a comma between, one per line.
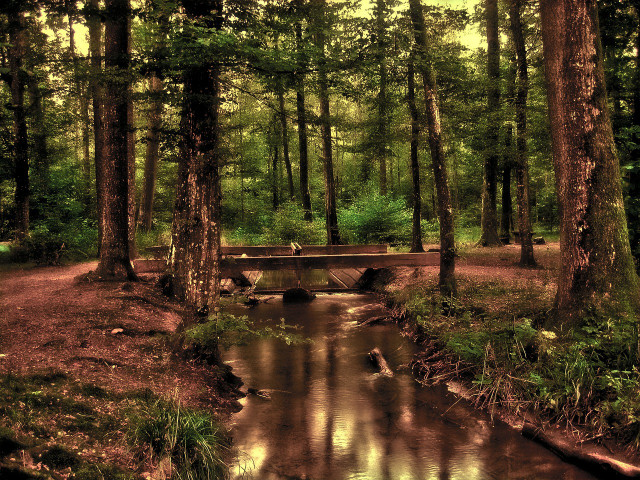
x=195, y=244
x=17, y=38
x=447, y=281
x=522, y=162
x=634, y=174
x=115, y=257
x=95, y=88
x=506, y=223
x=416, y=230
x=383, y=104
x=131, y=166
x=282, y=114
x=596, y=266
x=489, y=218
x=154, y=126
x=333, y=235
x=302, y=131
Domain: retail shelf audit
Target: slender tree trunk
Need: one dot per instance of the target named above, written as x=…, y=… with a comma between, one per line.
x=447, y=279
x=17, y=38
x=115, y=248
x=39, y=134
x=273, y=141
x=596, y=266
x=507, y=160
x=285, y=139
x=383, y=107
x=489, y=220
x=522, y=163
x=96, y=91
x=195, y=244
x=302, y=132
x=333, y=235
x=154, y=126
x=131, y=166
x=416, y=231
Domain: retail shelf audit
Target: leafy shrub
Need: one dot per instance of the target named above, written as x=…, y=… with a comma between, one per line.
x=288, y=225
x=376, y=219
x=189, y=443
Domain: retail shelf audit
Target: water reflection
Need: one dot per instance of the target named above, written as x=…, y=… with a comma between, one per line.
x=331, y=417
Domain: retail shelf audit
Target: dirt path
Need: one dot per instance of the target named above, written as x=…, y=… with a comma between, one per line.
x=110, y=334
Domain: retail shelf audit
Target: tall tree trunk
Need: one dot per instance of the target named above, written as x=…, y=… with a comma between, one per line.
x=447, y=279
x=416, y=230
x=282, y=113
x=333, y=235
x=383, y=107
x=522, y=162
x=489, y=218
x=17, y=38
x=596, y=265
x=195, y=243
x=39, y=134
x=634, y=174
x=153, y=148
x=115, y=257
x=96, y=91
x=507, y=160
x=275, y=154
x=83, y=106
x=131, y=166
x=302, y=130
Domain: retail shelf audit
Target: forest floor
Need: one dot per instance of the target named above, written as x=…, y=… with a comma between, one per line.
x=76, y=357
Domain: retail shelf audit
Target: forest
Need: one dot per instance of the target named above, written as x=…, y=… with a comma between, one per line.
x=500, y=132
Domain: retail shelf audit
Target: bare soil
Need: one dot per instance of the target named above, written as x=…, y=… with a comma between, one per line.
x=110, y=334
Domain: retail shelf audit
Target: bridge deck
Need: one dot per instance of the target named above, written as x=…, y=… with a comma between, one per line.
x=236, y=265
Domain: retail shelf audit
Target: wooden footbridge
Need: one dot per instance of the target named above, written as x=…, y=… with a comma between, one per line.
x=242, y=266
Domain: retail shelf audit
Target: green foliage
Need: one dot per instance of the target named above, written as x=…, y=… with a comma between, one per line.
x=376, y=219
x=187, y=442
x=288, y=225
x=228, y=330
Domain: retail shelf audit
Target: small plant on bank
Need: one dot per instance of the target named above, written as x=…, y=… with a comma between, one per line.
x=229, y=330
x=186, y=444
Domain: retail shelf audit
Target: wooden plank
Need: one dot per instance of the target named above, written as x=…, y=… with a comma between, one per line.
x=143, y=265
x=161, y=251
x=348, y=277
x=231, y=266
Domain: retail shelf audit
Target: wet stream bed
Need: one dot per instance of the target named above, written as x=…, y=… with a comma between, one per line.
x=330, y=416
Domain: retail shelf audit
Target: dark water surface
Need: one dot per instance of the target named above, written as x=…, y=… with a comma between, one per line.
x=331, y=417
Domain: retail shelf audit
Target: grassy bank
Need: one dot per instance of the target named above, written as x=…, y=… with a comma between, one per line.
x=491, y=338
x=54, y=426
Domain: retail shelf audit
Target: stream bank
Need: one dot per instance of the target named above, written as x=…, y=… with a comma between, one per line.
x=490, y=343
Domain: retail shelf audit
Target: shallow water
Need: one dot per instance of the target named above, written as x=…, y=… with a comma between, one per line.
x=331, y=416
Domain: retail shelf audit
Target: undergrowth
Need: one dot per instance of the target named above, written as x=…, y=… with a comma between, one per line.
x=492, y=337
x=52, y=426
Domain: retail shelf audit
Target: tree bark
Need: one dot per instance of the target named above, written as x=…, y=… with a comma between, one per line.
x=522, y=161
x=302, y=130
x=154, y=126
x=16, y=52
x=195, y=243
x=96, y=91
x=416, y=230
x=282, y=114
x=447, y=281
x=489, y=218
x=115, y=260
x=333, y=235
x=596, y=265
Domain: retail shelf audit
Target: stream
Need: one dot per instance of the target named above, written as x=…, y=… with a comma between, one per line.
x=331, y=417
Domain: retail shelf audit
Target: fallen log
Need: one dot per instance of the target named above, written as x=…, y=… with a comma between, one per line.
x=373, y=320
x=380, y=363
x=595, y=463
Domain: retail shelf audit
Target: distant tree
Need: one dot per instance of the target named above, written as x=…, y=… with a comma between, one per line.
x=320, y=28
x=416, y=230
x=302, y=122
x=489, y=218
x=447, y=280
x=154, y=126
x=522, y=161
x=596, y=266
x=115, y=259
x=634, y=172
